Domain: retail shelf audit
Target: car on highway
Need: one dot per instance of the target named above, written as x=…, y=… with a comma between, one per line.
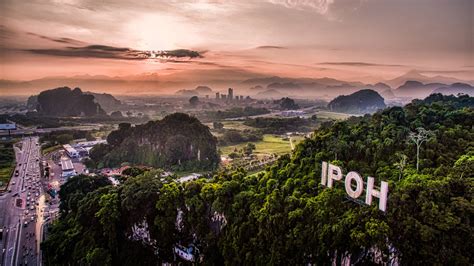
x=25, y=224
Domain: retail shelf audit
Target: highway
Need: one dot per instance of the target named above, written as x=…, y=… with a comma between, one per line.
x=22, y=208
x=22, y=131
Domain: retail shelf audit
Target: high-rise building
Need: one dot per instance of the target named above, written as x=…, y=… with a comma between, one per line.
x=218, y=96
x=230, y=96
x=223, y=96
x=241, y=97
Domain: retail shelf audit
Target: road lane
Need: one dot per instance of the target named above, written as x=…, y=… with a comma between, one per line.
x=21, y=242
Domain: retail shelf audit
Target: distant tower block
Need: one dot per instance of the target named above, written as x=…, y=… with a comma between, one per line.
x=223, y=96
x=218, y=96
x=231, y=94
x=207, y=96
x=241, y=97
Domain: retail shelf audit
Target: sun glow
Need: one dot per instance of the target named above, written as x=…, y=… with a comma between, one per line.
x=160, y=32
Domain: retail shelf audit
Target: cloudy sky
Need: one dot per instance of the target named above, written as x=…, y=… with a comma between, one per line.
x=350, y=39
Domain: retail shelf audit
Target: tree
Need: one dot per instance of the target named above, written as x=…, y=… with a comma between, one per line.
x=248, y=149
x=418, y=138
x=465, y=165
x=194, y=101
x=234, y=155
x=89, y=136
x=133, y=171
x=287, y=104
x=64, y=138
x=401, y=164
x=217, y=125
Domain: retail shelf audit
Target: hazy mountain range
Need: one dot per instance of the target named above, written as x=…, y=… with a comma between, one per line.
x=410, y=85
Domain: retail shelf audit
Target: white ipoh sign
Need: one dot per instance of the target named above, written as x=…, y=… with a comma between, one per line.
x=331, y=172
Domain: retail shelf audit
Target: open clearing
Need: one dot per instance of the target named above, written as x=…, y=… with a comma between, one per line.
x=333, y=115
x=269, y=145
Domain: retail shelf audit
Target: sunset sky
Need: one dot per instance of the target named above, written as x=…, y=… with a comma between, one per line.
x=295, y=38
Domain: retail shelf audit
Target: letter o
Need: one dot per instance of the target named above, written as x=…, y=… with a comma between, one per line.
x=360, y=184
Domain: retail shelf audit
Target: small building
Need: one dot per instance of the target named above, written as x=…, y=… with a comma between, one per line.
x=67, y=168
x=82, y=152
x=290, y=113
x=87, y=144
x=188, y=178
x=71, y=152
x=8, y=126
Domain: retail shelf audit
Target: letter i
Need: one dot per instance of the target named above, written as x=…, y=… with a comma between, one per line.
x=324, y=173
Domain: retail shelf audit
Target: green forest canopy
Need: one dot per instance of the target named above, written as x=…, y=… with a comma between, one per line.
x=283, y=216
x=178, y=141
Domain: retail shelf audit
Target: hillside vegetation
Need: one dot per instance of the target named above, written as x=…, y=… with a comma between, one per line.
x=178, y=141
x=66, y=102
x=360, y=102
x=7, y=162
x=284, y=216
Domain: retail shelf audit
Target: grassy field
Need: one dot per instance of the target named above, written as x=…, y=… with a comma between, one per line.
x=332, y=115
x=101, y=134
x=269, y=145
x=239, y=125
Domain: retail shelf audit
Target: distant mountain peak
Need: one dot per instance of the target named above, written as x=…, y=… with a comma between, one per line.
x=413, y=72
x=412, y=83
x=381, y=84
